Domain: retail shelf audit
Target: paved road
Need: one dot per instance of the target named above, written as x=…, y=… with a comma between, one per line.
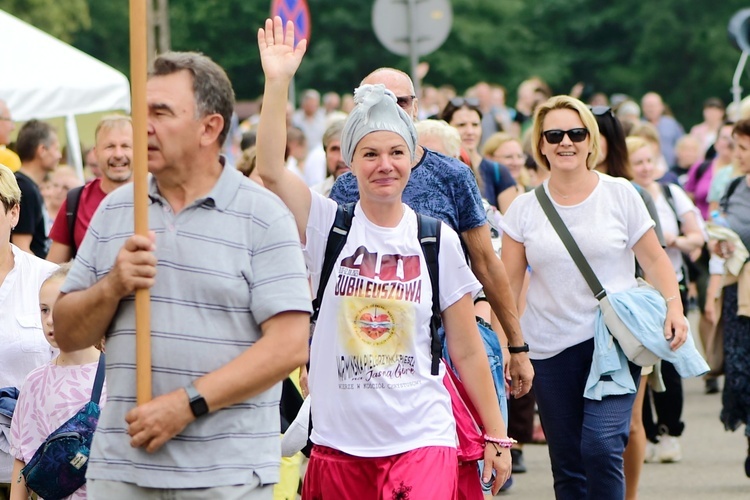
x=712, y=466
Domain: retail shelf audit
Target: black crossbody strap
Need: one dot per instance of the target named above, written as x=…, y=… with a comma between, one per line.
x=72, y=200
x=336, y=241
x=557, y=223
x=428, y=231
x=96, y=392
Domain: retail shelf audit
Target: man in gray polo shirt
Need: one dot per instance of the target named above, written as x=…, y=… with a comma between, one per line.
x=229, y=307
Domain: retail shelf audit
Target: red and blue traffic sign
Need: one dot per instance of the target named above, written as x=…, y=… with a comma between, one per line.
x=297, y=12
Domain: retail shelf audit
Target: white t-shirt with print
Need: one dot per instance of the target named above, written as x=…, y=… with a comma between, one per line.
x=370, y=380
x=560, y=307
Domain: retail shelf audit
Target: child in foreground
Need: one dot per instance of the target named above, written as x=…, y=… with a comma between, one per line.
x=52, y=393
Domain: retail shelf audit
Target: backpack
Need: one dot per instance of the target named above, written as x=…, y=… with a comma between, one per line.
x=731, y=188
x=71, y=212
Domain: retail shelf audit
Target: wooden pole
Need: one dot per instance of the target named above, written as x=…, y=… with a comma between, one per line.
x=138, y=72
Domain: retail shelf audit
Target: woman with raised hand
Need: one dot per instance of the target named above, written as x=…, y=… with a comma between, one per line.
x=609, y=222
x=383, y=424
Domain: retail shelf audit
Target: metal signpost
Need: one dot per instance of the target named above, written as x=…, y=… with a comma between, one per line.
x=412, y=28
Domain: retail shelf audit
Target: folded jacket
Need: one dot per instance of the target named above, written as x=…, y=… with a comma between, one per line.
x=643, y=310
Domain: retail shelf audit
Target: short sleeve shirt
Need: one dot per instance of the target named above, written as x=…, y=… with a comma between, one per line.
x=91, y=196
x=226, y=263
x=370, y=354
x=560, y=307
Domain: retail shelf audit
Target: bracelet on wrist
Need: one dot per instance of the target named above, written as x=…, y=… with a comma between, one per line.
x=669, y=299
x=501, y=442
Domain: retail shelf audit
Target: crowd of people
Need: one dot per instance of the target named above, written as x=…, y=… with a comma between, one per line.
x=242, y=218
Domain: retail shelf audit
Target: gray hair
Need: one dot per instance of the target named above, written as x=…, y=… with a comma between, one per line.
x=211, y=86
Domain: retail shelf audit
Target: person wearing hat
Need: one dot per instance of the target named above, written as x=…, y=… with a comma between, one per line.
x=382, y=422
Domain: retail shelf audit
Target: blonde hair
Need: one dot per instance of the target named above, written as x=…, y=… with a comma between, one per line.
x=60, y=273
x=111, y=122
x=636, y=143
x=494, y=142
x=10, y=193
x=448, y=135
x=587, y=118
x=646, y=131
x=246, y=163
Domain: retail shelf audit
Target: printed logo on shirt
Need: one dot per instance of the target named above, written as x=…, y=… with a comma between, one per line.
x=377, y=320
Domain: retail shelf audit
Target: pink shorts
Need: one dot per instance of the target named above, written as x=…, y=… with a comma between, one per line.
x=429, y=472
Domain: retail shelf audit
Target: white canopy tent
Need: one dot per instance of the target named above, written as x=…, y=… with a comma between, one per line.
x=44, y=77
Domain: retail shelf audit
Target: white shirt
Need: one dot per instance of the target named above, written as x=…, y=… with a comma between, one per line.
x=22, y=343
x=560, y=307
x=372, y=391
x=668, y=221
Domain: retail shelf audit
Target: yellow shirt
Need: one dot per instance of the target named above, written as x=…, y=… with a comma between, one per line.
x=9, y=159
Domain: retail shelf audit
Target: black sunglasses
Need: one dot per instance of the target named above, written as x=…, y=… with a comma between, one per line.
x=405, y=101
x=556, y=136
x=458, y=102
x=600, y=110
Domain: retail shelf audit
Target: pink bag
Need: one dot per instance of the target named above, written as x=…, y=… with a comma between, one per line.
x=468, y=424
x=470, y=437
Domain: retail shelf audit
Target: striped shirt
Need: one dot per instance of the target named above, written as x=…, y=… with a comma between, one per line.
x=226, y=263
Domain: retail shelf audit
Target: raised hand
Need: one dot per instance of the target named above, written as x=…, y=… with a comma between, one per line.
x=278, y=55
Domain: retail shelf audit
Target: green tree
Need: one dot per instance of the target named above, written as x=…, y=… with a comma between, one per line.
x=61, y=19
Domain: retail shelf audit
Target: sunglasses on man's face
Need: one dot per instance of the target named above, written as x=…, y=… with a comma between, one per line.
x=556, y=136
x=405, y=101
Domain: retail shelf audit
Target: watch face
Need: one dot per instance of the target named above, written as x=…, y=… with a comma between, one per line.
x=199, y=406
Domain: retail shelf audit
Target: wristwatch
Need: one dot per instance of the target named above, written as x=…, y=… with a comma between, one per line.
x=198, y=405
x=518, y=349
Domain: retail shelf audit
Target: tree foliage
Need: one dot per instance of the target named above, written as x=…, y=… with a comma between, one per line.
x=674, y=47
x=61, y=19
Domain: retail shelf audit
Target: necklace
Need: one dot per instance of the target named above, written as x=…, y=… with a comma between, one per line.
x=563, y=196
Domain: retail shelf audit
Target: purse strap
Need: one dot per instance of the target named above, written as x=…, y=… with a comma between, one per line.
x=570, y=244
x=96, y=392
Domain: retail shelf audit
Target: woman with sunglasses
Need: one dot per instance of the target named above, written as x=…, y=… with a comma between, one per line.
x=495, y=181
x=606, y=217
x=383, y=424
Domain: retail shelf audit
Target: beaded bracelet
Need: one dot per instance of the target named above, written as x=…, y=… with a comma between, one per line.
x=502, y=442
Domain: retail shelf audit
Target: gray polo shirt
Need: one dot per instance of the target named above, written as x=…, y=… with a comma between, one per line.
x=226, y=263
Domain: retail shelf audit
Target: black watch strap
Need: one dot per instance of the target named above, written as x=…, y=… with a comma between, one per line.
x=198, y=405
x=515, y=349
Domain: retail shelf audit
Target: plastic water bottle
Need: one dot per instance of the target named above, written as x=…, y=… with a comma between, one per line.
x=719, y=219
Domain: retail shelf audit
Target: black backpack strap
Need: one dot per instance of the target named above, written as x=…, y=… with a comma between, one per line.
x=336, y=240
x=71, y=202
x=428, y=231
x=667, y=190
x=731, y=188
x=96, y=392
x=702, y=169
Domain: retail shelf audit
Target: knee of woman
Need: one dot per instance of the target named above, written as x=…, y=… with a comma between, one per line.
x=599, y=451
x=636, y=426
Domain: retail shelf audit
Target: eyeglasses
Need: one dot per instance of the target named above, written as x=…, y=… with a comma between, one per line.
x=459, y=102
x=556, y=136
x=405, y=101
x=600, y=110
